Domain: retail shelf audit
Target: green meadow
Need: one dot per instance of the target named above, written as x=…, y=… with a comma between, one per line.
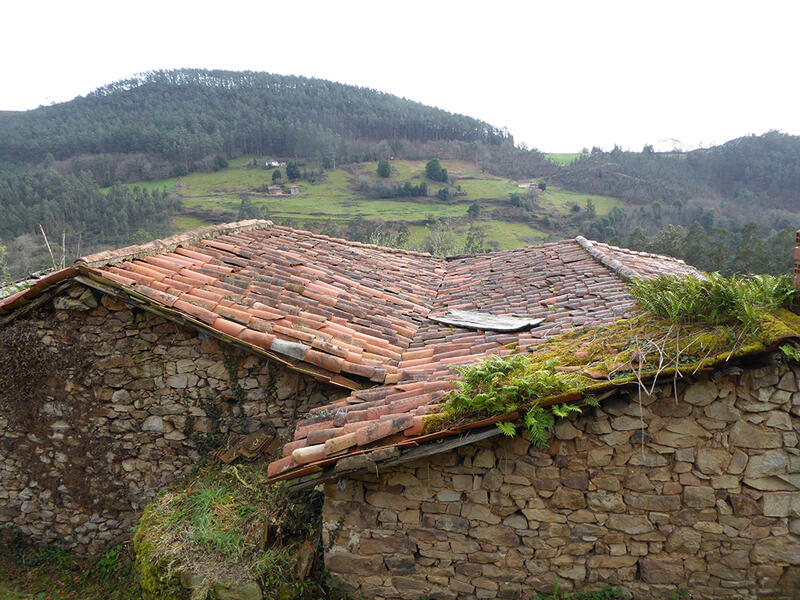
x=335, y=196
x=564, y=158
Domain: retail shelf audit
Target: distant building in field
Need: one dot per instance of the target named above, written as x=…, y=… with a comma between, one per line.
x=294, y=190
x=274, y=190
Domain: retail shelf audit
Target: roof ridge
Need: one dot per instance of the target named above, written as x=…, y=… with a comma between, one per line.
x=646, y=254
x=346, y=242
x=169, y=244
x=604, y=259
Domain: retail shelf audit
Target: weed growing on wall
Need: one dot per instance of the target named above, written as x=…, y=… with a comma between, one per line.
x=604, y=593
x=509, y=385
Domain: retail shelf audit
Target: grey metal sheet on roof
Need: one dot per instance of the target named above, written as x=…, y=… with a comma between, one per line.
x=486, y=321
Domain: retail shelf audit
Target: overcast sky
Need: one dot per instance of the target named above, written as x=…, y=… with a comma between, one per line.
x=560, y=75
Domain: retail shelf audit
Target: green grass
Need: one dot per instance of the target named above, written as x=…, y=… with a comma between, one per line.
x=214, y=523
x=564, y=158
x=560, y=200
x=28, y=573
x=506, y=234
x=158, y=185
x=183, y=223
x=513, y=235
x=332, y=197
x=487, y=188
x=716, y=300
x=323, y=206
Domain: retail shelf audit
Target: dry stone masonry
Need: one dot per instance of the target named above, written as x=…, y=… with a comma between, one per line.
x=651, y=492
x=102, y=405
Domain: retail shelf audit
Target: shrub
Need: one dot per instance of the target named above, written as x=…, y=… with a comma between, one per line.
x=434, y=170
x=220, y=162
x=384, y=168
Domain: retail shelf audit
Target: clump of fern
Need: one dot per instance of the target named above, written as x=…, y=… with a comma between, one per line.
x=506, y=385
x=715, y=300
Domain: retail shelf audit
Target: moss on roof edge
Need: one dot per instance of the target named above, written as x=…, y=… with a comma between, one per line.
x=598, y=359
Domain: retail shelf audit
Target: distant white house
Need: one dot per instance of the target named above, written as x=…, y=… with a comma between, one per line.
x=271, y=164
x=294, y=189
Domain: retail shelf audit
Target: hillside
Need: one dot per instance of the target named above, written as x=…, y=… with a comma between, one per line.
x=189, y=123
x=731, y=180
x=181, y=117
x=732, y=207
x=763, y=168
x=190, y=146
x=355, y=202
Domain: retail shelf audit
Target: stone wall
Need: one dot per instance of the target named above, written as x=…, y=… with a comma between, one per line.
x=102, y=405
x=699, y=492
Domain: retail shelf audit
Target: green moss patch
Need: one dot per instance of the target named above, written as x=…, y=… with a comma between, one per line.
x=225, y=525
x=715, y=321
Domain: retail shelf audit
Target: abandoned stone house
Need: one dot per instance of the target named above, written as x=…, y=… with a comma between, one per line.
x=119, y=372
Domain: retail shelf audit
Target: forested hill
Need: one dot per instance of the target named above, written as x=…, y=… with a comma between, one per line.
x=182, y=116
x=761, y=169
x=732, y=207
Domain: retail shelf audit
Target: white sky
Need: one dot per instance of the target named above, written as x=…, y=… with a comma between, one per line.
x=559, y=75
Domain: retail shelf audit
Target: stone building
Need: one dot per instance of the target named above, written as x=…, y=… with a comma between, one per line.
x=122, y=371
x=650, y=494
x=686, y=478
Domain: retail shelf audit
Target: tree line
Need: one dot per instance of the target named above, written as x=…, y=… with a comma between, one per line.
x=75, y=209
x=759, y=170
x=188, y=114
x=77, y=205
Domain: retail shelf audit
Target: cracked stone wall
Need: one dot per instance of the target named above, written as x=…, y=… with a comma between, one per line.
x=102, y=405
x=699, y=492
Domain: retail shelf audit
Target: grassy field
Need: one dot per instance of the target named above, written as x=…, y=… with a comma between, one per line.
x=561, y=200
x=335, y=196
x=500, y=235
x=563, y=158
x=184, y=223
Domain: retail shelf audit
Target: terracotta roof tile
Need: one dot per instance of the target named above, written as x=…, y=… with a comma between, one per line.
x=206, y=316
x=228, y=327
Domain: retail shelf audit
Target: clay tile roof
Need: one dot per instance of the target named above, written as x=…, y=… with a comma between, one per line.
x=569, y=284
x=356, y=314
x=346, y=310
